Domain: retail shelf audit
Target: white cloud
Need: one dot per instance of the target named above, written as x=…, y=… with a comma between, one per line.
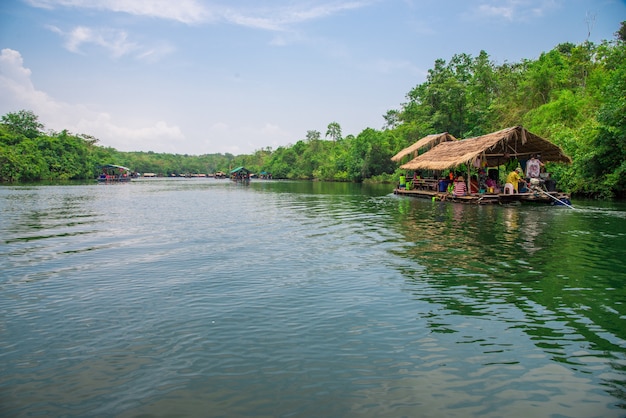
x=280, y=18
x=487, y=10
x=12, y=71
x=513, y=10
x=295, y=16
x=155, y=54
x=158, y=137
x=274, y=18
x=257, y=22
x=18, y=92
x=185, y=11
x=16, y=87
x=115, y=41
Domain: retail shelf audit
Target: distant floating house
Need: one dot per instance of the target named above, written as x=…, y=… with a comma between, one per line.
x=114, y=173
x=240, y=174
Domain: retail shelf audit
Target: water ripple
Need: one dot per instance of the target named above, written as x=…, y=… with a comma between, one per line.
x=298, y=299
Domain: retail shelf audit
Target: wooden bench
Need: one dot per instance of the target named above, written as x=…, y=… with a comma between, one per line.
x=425, y=184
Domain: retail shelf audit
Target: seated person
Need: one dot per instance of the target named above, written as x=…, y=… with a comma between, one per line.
x=442, y=185
x=492, y=183
x=522, y=186
x=482, y=177
x=513, y=179
x=550, y=183
x=460, y=188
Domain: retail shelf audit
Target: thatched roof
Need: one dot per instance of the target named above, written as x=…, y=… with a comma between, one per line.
x=428, y=141
x=497, y=148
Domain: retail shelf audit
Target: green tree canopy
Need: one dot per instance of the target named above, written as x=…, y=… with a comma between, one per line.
x=23, y=122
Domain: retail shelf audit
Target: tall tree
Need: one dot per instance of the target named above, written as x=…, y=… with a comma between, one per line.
x=334, y=131
x=23, y=122
x=481, y=92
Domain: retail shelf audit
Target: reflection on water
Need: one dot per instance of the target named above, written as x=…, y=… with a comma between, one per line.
x=200, y=297
x=533, y=269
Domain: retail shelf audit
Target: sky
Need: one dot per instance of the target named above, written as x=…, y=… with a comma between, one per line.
x=235, y=76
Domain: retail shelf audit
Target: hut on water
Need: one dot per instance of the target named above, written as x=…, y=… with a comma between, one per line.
x=114, y=173
x=491, y=150
x=240, y=174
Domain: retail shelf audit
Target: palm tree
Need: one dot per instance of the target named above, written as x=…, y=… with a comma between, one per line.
x=334, y=131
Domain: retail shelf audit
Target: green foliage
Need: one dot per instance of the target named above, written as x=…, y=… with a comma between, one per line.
x=608, y=163
x=23, y=124
x=65, y=156
x=26, y=156
x=573, y=95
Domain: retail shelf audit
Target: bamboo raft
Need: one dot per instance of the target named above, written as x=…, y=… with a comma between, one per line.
x=539, y=197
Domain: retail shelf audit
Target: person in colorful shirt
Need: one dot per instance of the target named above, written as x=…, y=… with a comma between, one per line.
x=460, y=188
x=533, y=167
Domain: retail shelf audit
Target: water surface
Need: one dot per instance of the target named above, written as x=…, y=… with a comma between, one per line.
x=202, y=297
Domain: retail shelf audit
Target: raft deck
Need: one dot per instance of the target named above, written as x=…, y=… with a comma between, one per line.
x=487, y=198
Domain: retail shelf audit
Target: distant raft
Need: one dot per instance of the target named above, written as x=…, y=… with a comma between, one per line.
x=114, y=173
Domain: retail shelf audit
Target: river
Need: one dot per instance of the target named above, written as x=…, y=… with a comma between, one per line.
x=203, y=297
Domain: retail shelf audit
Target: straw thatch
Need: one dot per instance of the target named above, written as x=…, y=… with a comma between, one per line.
x=496, y=148
x=428, y=141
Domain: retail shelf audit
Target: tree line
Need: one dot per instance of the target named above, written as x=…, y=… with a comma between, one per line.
x=572, y=95
x=27, y=153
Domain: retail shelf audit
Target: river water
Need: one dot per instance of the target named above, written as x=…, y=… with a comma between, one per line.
x=202, y=297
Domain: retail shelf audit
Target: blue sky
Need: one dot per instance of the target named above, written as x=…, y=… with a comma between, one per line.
x=197, y=77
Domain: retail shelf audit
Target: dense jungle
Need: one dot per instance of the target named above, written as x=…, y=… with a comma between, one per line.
x=573, y=95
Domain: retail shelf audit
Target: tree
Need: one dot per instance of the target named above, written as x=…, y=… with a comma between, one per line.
x=334, y=131
x=621, y=33
x=24, y=122
x=313, y=135
x=608, y=163
x=481, y=92
x=392, y=119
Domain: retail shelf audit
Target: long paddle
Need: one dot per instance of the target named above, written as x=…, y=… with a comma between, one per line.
x=558, y=200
